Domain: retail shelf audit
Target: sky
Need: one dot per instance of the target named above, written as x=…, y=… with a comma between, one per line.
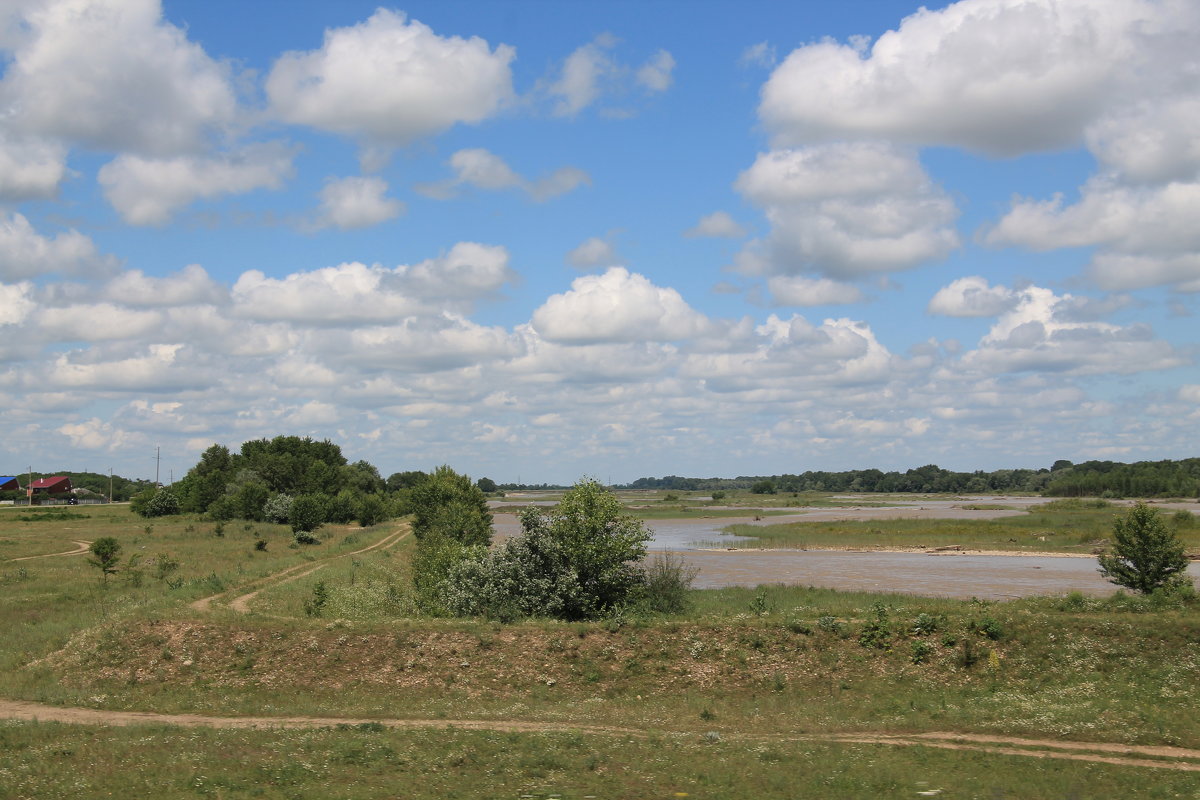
x=543, y=240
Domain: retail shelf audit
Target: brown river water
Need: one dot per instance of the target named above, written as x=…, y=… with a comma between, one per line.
x=988, y=577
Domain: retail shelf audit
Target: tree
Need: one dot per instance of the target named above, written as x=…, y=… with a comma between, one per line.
x=448, y=504
x=579, y=560
x=106, y=554
x=306, y=515
x=1146, y=555
x=486, y=485
x=405, y=480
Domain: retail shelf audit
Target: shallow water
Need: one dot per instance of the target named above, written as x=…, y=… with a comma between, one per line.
x=964, y=576
x=944, y=575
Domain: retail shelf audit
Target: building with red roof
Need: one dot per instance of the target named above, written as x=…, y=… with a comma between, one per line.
x=59, y=484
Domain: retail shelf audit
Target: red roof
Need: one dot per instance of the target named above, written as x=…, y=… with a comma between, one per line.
x=59, y=483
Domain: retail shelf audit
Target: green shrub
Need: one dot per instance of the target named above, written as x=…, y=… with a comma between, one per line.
x=919, y=652
x=580, y=560
x=877, y=631
x=667, y=585
x=316, y=603
x=988, y=626
x=306, y=515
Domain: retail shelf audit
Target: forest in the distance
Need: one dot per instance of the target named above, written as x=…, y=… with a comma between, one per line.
x=1064, y=479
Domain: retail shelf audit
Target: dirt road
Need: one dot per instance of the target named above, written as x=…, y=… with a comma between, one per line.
x=81, y=548
x=1173, y=758
x=241, y=604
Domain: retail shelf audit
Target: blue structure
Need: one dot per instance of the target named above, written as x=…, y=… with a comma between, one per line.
x=9, y=485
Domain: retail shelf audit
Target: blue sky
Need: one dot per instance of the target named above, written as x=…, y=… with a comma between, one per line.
x=537, y=240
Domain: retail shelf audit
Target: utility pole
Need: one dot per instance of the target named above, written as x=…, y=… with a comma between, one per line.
x=157, y=464
x=110, y=484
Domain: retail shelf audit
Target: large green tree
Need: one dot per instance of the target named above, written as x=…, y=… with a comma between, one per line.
x=449, y=505
x=1146, y=554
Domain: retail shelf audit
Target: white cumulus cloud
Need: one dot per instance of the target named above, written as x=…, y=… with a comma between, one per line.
x=113, y=75
x=846, y=210
x=972, y=297
x=390, y=81
x=357, y=202
x=617, y=306
x=148, y=191
x=24, y=253
x=999, y=76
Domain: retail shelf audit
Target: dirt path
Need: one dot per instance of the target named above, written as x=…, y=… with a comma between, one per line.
x=1175, y=758
x=241, y=604
x=82, y=547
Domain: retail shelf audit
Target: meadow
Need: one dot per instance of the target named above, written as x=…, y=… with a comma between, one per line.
x=769, y=692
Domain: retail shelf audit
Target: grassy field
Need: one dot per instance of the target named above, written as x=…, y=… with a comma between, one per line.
x=743, y=696
x=1064, y=526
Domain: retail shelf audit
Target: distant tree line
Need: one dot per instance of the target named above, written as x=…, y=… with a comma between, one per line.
x=1063, y=479
x=1115, y=479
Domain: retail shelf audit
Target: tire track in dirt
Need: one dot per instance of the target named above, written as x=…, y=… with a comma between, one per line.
x=1173, y=758
x=82, y=547
x=241, y=604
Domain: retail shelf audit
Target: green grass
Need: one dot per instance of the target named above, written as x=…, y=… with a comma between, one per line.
x=774, y=660
x=354, y=763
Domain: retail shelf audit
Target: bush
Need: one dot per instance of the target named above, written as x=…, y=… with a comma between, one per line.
x=1146, y=555
x=306, y=515
x=877, y=631
x=159, y=502
x=278, y=508
x=163, y=503
x=926, y=624
x=919, y=652
x=223, y=509
x=577, y=561
x=667, y=586
x=763, y=487
x=988, y=627
x=371, y=509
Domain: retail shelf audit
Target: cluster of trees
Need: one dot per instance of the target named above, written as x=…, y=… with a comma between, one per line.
x=578, y=560
x=1063, y=479
x=288, y=479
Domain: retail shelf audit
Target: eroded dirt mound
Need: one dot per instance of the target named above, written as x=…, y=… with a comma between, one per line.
x=485, y=659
